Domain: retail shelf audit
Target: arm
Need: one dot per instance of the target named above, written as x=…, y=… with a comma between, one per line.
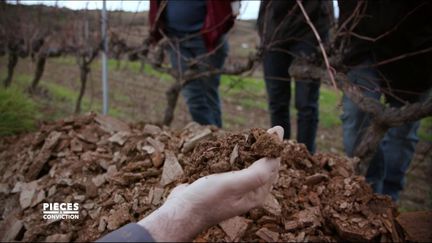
x=129, y=233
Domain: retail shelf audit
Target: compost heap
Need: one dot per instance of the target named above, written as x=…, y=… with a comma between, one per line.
x=120, y=173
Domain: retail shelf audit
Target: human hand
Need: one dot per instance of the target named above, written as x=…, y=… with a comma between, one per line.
x=192, y=208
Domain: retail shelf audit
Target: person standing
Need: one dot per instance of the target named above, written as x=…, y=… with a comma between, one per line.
x=386, y=30
x=196, y=30
x=285, y=35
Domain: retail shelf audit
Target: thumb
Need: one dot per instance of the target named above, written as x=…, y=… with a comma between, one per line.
x=278, y=130
x=257, y=175
x=177, y=190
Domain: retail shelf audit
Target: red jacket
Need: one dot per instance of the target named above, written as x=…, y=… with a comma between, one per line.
x=218, y=21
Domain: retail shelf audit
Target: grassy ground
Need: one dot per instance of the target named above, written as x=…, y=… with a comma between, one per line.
x=138, y=96
x=245, y=92
x=425, y=130
x=59, y=91
x=57, y=98
x=18, y=113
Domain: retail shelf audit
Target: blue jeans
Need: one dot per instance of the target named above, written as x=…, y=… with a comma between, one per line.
x=278, y=85
x=202, y=94
x=387, y=168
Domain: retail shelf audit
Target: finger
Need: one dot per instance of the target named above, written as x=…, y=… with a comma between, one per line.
x=256, y=197
x=178, y=189
x=278, y=130
x=257, y=175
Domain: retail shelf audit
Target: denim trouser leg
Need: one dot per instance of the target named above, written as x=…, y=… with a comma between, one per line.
x=306, y=103
x=277, y=78
x=356, y=122
x=399, y=146
x=388, y=166
x=201, y=95
x=216, y=60
x=278, y=85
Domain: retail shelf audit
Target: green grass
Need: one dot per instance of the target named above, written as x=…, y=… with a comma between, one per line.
x=233, y=86
x=253, y=103
x=59, y=92
x=112, y=65
x=135, y=66
x=63, y=94
x=425, y=130
x=18, y=112
x=64, y=60
x=329, y=101
x=239, y=84
x=148, y=70
x=60, y=102
x=229, y=120
x=248, y=91
x=120, y=97
x=21, y=81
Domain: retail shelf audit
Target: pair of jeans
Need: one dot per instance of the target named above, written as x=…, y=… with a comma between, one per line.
x=277, y=78
x=387, y=168
x=201, y=94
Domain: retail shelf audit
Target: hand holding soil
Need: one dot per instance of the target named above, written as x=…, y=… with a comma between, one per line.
x=212, y=199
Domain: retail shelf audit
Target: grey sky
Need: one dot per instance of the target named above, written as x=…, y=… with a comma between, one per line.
x=249, y=8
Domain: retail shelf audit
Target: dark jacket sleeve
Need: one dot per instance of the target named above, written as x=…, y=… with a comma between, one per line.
x=129, y=233
x=156, y=22
x=282, y=22
x=398, y=27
